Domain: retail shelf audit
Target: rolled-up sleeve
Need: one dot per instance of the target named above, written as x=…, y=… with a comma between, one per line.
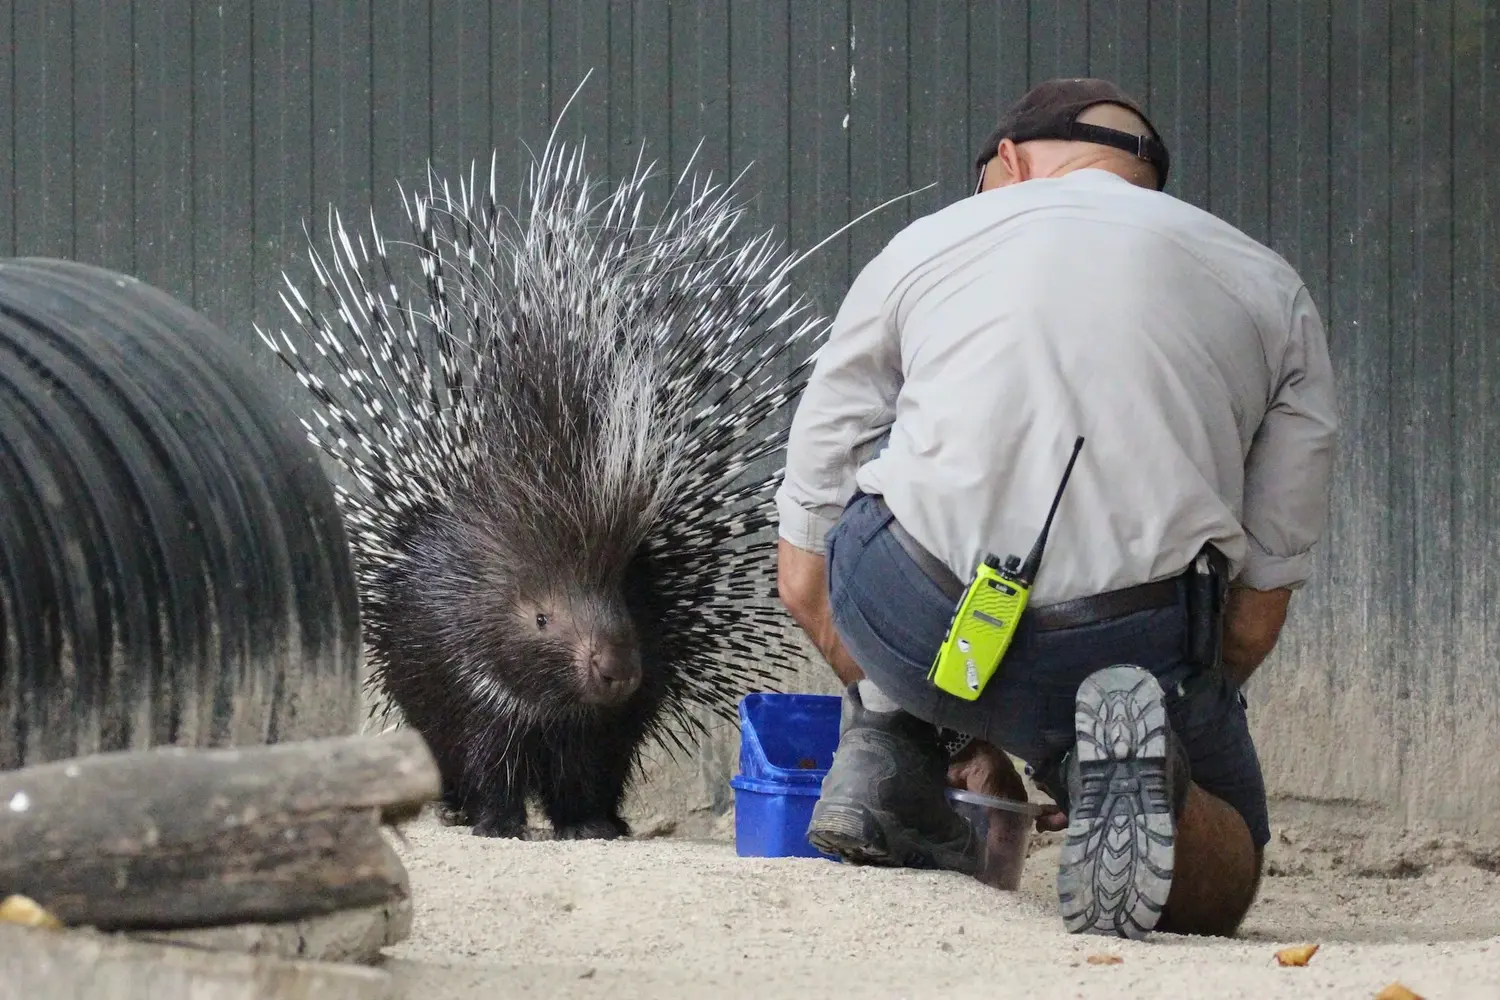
x=849, y=402
x=1290, y=464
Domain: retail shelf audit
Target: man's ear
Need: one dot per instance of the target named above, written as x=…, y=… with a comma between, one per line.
x=1007, y=167
x=1016, y=164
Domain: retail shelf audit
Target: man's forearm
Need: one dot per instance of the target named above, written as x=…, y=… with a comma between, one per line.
x=1240, y=664
x=826, y=638
x=1252, y=626
x=803, y=586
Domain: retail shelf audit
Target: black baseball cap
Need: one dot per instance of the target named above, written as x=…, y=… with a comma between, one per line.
x=1050, y=110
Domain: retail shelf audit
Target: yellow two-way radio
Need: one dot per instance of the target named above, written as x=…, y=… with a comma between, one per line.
x=985, y=621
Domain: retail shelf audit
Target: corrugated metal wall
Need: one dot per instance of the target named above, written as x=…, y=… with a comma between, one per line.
x=189, y=143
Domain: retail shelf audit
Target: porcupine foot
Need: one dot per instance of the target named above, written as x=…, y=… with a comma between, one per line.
x=582, y=795
x=450, y=808
x=449, y=814
x=584, y=818
x=501, y=816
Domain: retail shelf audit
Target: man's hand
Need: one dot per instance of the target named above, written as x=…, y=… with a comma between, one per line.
x=985, y=768
x=802, y=583
x=1252, y=625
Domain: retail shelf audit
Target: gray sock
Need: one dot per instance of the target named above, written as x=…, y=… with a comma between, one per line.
x=874, y=699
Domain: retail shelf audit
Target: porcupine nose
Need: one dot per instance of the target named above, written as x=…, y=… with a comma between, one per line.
x=614, y=677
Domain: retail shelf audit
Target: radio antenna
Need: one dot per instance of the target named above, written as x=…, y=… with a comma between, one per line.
x=1034, y=559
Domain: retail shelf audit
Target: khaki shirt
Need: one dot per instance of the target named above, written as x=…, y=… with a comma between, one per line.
x=985, y=337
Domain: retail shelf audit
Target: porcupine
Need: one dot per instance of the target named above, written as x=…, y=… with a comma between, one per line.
x=557, y=534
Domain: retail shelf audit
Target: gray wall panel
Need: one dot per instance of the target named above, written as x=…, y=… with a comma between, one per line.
x=42, y=112
x=164, y=167
x=1476, y=367
x=103, y=111
x=223, y=183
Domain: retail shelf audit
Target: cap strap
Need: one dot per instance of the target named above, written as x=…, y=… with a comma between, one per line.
x=1143, y=146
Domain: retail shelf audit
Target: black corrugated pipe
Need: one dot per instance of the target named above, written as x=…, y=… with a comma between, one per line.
x=173, y=567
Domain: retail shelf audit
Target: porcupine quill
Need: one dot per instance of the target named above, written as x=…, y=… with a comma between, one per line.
x=561, y=535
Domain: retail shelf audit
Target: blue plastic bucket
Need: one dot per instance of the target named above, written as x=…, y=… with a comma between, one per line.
x=786, y=747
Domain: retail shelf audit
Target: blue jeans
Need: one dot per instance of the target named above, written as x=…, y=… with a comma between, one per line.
x=891, y=617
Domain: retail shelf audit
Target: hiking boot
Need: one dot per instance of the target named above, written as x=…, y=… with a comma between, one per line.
x=1126, y=780
x=883, y=801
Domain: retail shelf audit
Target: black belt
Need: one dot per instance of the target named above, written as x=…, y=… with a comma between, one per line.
x=1066, y=614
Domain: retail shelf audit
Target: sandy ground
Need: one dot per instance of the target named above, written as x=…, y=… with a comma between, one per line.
x=673, y=917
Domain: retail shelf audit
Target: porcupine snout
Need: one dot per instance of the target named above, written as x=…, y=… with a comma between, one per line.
x=606, y=658
x=610, y=672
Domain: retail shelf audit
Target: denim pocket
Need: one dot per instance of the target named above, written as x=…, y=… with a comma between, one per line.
x=866, y=633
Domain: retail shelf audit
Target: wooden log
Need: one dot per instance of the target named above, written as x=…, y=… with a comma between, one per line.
x=357, y=935
x=83, y=965
x=177, y=837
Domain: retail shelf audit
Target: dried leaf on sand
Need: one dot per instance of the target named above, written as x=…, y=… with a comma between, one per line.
x=27, y=912
x=1396, y=991
x=1104, y=960
x=1297, y=954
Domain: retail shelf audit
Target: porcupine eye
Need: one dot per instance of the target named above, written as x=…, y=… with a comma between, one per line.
x=541, y=621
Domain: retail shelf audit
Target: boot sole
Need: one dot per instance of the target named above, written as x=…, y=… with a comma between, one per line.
x=1116, y=866
x=861, y=836
x=850, y=832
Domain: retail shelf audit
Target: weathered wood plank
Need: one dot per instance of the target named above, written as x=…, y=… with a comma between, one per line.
x=520, y=89
x=623, y=143
x=282, y=123
x=356, y=935
x=997, y=68
x=182, y=838
x=80, y=965
x=1238, y=141
x=341, y=117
